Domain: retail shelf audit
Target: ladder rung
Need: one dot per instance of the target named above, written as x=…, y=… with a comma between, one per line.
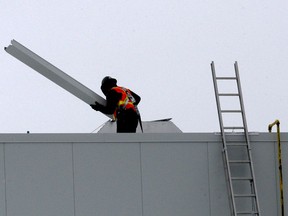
x=236, y=144
x=242, y=178
x=233, y=127
x=244, y=195
x=239, y=161
x=231, y=111
x=248, y=213
x=228, y=94
x=226, y=78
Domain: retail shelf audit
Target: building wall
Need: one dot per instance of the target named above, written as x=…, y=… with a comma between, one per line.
x=130, y=175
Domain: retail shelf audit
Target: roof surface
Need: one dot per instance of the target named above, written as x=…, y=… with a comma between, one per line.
x=158, y=126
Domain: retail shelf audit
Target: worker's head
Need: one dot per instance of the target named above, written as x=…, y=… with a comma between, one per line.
x=108, y=83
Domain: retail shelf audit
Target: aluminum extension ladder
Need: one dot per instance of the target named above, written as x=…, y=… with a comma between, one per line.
x=237, y=157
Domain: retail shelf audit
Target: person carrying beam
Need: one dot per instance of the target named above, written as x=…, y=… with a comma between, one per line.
x=122, y=103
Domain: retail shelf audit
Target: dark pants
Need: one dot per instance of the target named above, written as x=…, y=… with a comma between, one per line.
x=127, y=121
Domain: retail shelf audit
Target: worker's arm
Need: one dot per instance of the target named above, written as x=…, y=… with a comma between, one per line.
x=111, y=103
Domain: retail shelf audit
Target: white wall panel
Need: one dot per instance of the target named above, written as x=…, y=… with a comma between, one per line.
x=107, y=179
x=217, y=182
x=284, y=147
x=175, y=179
x=39, y=179
x=2, y=182
x=266, y=172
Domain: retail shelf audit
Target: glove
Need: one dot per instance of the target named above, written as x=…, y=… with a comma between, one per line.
x=96, y=106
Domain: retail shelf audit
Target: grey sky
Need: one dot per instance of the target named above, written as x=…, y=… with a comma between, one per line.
x=160, y=49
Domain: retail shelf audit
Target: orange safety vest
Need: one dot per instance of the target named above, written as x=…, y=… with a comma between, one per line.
x=125, y=102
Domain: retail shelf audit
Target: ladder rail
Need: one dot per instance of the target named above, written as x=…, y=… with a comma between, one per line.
x=246, y=134
x=228, y=173
x=217, y=101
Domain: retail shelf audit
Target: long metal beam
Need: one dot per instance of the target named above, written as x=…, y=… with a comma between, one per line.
x=54, y=74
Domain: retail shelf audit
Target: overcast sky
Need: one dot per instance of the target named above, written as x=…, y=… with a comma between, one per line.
x=161, y=49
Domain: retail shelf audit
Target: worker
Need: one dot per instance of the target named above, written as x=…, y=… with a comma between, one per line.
x=122, y=103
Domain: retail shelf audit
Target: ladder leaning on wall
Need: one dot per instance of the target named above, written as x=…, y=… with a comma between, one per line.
x=239, y=171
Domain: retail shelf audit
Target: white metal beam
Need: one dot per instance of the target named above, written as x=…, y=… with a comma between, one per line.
x=51, y=72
